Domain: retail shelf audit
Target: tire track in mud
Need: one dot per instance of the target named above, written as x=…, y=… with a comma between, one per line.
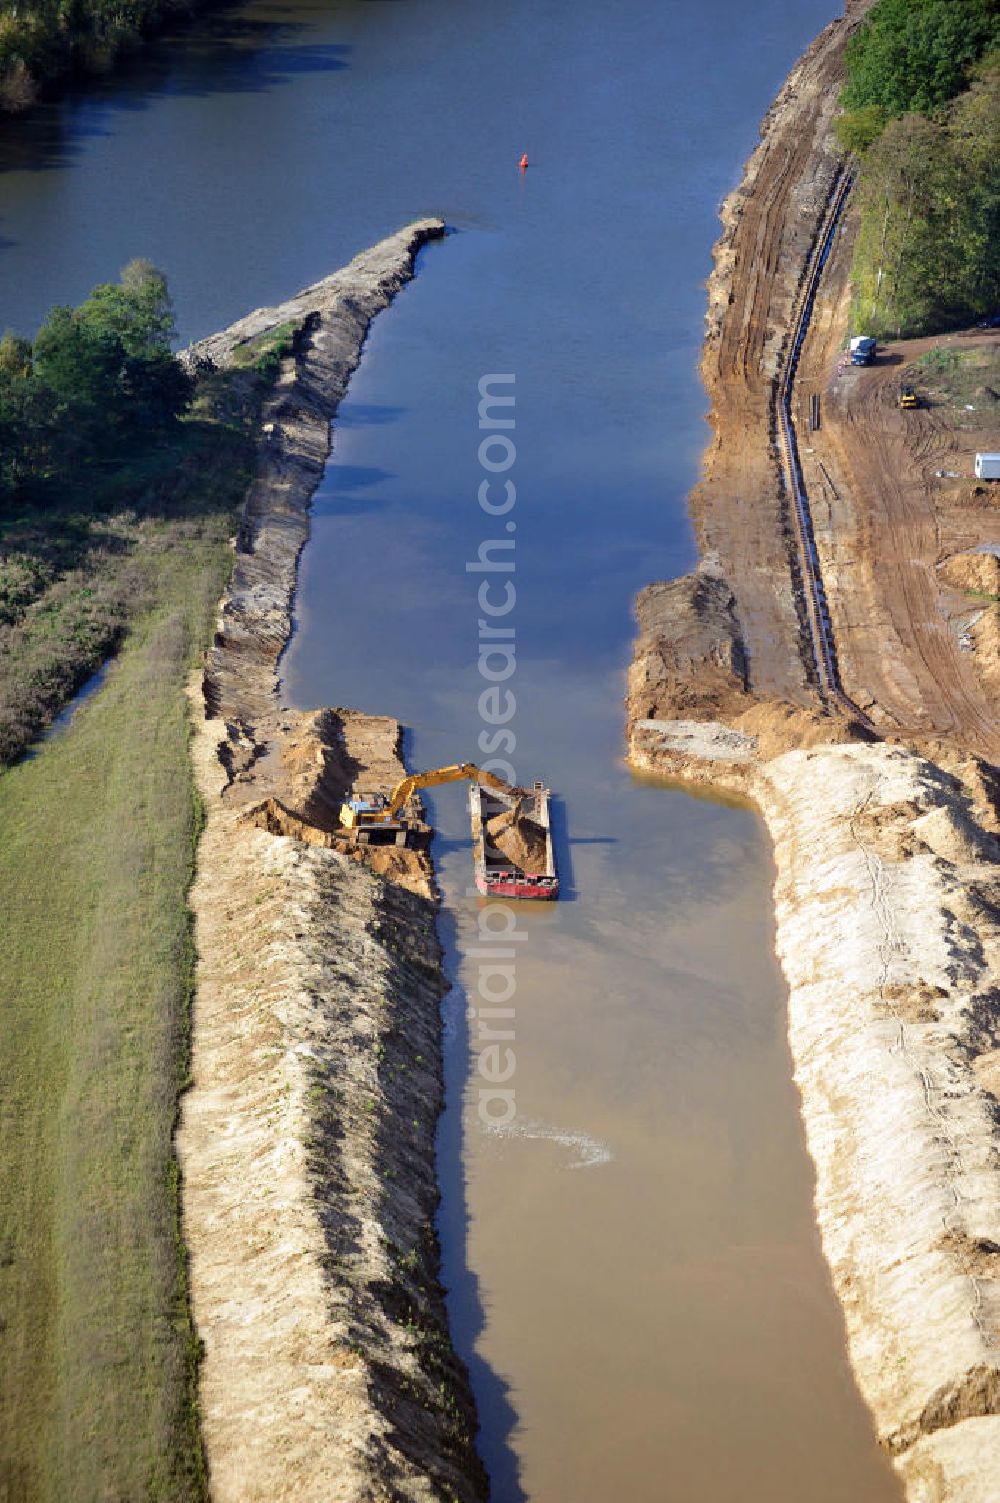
x=740, y=515
x=887, y=459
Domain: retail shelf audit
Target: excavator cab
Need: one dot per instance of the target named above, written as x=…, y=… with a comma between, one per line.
x=354, y=811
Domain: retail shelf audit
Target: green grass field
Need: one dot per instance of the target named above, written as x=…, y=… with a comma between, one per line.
x=97, y=1355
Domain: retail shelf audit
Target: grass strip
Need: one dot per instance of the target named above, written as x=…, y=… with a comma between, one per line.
x=98, y=1359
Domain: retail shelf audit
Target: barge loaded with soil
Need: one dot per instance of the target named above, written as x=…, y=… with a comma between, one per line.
x=888, y=855
x=512, y=843
x=307, y=1136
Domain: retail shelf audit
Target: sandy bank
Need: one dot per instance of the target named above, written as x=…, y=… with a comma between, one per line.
x=888, y=920
x=329, y=322
x=307, y=1137
x=888, y=866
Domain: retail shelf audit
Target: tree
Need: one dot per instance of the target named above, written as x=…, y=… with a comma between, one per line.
x=928, y=250
x=899, y=191
x=974, y=131
x=97, y=380
x=81, y=366
x=27, y=432
x=15, y=356
x=156, y=389
x=137, y=310
x=916, y=55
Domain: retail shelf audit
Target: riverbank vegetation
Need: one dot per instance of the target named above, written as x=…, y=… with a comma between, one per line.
x=43, y=40
x=111, y=456
x=95, y=384
x=922, y=115
x=121, y=494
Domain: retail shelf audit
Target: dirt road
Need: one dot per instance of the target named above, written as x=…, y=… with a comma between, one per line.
x=889, y=515
x=769, y=225
x=887, y=855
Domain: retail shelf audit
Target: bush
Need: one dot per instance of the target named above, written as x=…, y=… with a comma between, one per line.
x=857, y=129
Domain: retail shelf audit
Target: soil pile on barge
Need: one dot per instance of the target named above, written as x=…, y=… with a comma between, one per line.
x=520, y=839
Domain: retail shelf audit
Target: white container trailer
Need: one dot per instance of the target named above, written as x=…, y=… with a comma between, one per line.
x=988, y=466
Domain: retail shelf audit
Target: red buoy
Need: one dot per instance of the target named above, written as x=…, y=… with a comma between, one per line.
x=523, y=164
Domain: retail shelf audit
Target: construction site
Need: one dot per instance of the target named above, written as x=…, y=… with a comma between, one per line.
x=833, y=658
x=555, y=1135
x=828, y=660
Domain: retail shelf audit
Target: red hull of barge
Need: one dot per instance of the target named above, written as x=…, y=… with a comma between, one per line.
x=519, y=887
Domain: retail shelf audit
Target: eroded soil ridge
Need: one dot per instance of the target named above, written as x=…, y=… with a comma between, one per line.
x=887, y=890
x=307, y=1137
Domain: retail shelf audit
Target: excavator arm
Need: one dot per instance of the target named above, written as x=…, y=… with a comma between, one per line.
x=461, y=771
x=354, y=813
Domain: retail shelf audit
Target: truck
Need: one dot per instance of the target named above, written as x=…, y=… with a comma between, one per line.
x=863, y=350
x=988, y=466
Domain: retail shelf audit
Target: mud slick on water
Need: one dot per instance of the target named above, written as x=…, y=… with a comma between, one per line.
x=307, y=1137
x=888, y=863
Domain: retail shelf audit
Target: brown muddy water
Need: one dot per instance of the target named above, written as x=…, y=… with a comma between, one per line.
x=634, y=1275
x=635, y=1278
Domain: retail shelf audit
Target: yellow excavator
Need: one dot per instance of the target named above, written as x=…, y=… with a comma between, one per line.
x=379, y=809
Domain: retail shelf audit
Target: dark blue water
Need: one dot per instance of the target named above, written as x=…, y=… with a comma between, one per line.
x=635, y=1277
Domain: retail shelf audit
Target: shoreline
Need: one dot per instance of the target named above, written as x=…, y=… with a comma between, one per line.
x=307, y=1138
x=887, y=891
x=313, y=1249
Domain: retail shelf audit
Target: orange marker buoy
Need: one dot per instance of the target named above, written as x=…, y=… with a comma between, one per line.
x=523, y=164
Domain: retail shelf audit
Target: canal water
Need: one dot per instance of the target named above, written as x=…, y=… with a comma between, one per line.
x=635, y=1279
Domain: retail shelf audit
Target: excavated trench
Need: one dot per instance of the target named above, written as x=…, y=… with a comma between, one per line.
x=887, y=897
x=633, y=1276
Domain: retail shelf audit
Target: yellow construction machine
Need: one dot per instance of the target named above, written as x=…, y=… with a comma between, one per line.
x=376, y=809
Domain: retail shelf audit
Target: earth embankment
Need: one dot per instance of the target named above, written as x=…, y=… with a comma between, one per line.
x=888, y=864
x=887, y=897
x=307, y=1138
x=769, y=225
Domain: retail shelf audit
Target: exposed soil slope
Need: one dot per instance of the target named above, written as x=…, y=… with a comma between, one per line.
x=330, y=321
x=888, y=916
x=308, y=1152
x=888, y=864
x=769, y=225
x=307, y=1139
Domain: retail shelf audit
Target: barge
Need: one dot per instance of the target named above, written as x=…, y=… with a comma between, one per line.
x=498, y=875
